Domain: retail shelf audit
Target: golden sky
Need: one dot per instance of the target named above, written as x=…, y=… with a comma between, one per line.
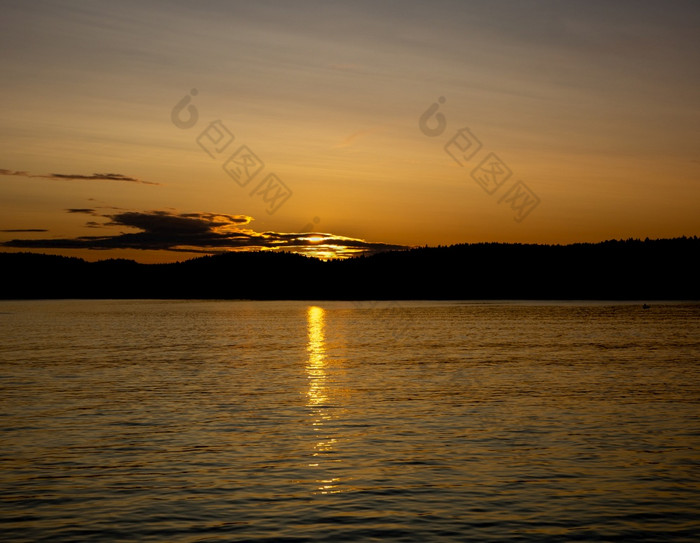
x=375, y=123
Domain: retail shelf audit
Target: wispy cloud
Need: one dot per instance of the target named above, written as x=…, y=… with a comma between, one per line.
x=25, y=230
x=199, y=233
x=86, y=210
x=75, y=176
x=19, y=173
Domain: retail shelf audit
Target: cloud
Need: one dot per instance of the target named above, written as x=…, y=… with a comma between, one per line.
x=26, y=230
x=85, y=210
x=14, y=172
x=75, y=176
x=206, y=233
x=100, y=176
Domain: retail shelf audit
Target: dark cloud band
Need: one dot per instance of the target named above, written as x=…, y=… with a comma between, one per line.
x=199, y=233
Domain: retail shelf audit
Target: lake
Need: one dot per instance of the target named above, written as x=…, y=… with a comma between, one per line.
x=185, y=421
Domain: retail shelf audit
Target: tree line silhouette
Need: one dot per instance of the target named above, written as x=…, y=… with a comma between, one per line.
x=612, y=270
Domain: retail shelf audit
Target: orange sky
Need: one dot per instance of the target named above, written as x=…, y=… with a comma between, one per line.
x=593, y=109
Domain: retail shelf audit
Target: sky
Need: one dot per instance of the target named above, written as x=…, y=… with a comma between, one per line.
x=162, y=130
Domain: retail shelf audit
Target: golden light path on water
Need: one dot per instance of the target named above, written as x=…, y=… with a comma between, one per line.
x=318, y=395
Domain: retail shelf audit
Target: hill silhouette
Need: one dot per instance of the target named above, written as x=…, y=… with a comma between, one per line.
x=611, y=270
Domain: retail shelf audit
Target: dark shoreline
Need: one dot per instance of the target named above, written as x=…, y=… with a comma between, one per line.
x=630, y=270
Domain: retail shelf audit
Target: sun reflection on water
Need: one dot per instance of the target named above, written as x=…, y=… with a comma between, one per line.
x=315, y=368
x=318, y=399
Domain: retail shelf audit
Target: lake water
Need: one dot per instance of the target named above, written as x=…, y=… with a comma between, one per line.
x=187, y=421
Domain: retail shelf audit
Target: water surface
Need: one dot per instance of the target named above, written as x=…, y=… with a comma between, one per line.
x=325, y=421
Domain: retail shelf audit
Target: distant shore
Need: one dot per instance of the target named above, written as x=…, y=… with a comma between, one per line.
x=647, y=270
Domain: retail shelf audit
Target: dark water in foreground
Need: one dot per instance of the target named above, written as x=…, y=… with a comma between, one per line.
x=336, y=421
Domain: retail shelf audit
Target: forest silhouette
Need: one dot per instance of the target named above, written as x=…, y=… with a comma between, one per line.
x=633, y=269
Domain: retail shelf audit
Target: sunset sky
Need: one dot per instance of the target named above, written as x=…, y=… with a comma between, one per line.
x=551, y=122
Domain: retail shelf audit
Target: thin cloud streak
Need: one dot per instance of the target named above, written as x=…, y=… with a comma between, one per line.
x=84, y=210
x=78, y=177
x=25, y=230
